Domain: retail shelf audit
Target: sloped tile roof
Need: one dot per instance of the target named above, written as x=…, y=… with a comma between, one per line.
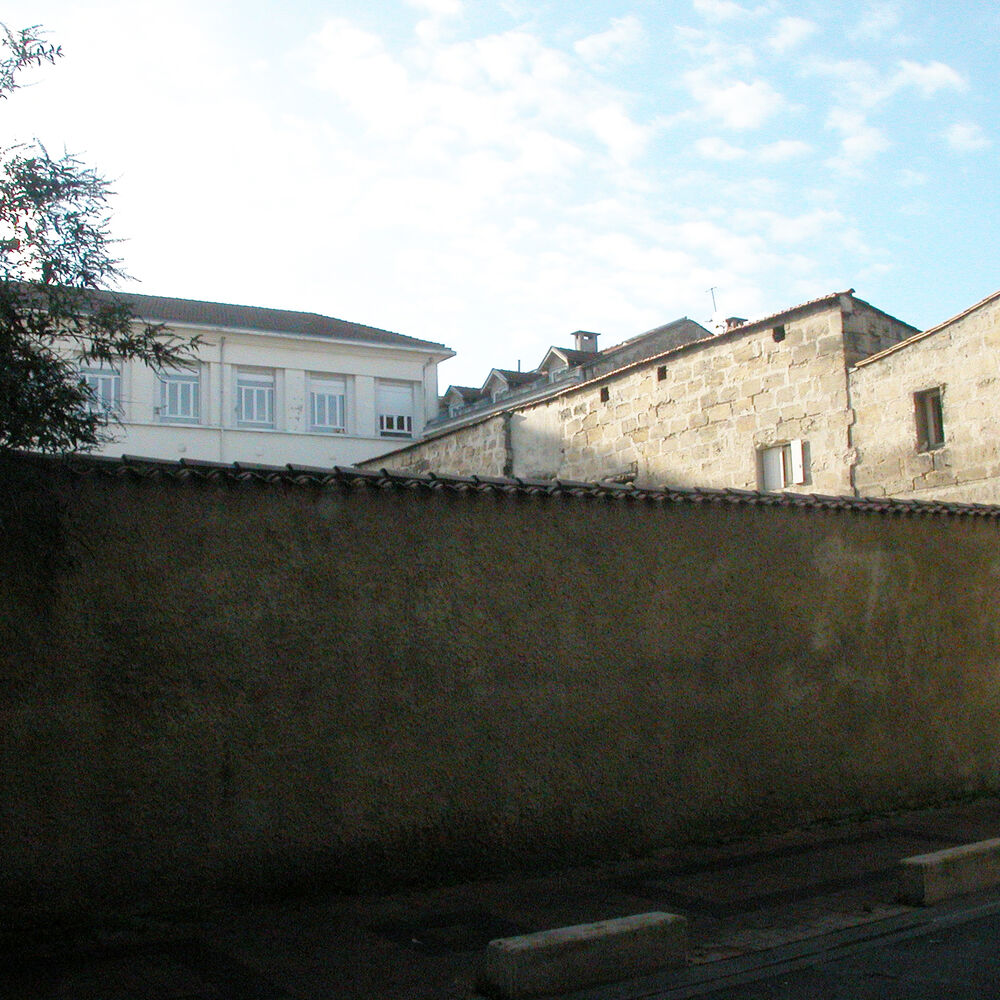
x=160, y=309
x=513, y=378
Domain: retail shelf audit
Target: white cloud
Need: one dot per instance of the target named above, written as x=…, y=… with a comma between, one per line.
x=715, y=54
x=792, y=32
x=714, y=148
x=737, y=104
x=862, y=85
x=438, y=8
x=860, y=142
x=856, y=81
x=966, y=137
x=505, y=91
x=910, y=178
x=808, y=226
x=355, y=65
x=619, y=42
x=783, y=150
x=719, y=10
x=928, y=78
x=624, y=139
x=877, y=21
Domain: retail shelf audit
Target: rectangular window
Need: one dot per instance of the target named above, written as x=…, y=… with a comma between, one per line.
x=327, y=404
x=255, y=399
x=105, y=385
x=930, y=419
x=180, y=397
x=394, y=402
x=783, y=465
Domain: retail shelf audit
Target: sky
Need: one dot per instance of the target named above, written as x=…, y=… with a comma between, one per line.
x=494, y=175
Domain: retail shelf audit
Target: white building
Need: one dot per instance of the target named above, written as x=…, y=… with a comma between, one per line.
x=270, y=386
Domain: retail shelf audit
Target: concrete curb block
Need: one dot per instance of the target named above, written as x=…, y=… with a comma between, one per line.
x=573, y=958
x=930, y=878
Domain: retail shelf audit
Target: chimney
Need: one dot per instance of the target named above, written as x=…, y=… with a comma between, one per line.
x=734, y=321
x=583, y=340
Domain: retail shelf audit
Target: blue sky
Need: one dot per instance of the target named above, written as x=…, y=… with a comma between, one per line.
x=495, y=175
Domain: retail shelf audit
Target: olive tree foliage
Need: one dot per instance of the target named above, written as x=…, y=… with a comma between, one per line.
x=57, y=269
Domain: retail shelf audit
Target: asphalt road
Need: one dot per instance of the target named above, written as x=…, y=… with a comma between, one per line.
x=955, y=957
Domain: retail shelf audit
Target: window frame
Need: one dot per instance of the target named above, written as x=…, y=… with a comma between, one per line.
x=180, y=377
x=317, y=380
x=928, y=414
x=101, y=372
x=398, y=423
x=251, y=383
x=783, y=465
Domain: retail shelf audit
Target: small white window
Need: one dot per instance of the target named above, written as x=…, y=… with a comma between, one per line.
x=255, y=399
x=180, y=397
x=783, y=465
x=327, y=404
x=394, y=401
x=105, y=385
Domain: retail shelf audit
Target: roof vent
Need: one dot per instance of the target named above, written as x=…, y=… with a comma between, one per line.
x=583, y=340
x=734, y=321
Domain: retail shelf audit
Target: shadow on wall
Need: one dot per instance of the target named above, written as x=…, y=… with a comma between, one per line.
x=244, y=679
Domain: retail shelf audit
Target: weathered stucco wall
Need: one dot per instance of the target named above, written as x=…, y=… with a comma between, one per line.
x=245, y=683
x=703, y=423
x=961, y=358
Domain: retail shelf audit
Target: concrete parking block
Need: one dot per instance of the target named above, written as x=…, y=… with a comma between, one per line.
x=930, y=878
x=573, y=958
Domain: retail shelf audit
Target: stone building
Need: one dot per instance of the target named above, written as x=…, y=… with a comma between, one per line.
x=927, y=419
x=763, y=404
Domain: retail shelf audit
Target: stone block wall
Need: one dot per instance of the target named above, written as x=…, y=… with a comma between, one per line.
x=702, y=417
x=868, y=331
x=479, y=449
x=961, y=357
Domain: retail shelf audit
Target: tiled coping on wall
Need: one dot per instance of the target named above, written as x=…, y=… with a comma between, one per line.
x=346, y=478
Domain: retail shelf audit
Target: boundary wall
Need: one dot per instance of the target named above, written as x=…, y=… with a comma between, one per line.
x=223, y=677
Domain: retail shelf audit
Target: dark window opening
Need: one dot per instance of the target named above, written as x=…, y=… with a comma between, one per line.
x=929, y=415
x=778, y=333
x=661, y=373
x=605, y=394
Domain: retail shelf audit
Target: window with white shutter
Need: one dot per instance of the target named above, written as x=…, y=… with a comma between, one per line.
x=394, y=403
x=784, y=465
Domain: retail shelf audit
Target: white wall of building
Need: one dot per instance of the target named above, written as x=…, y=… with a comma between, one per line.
x=295, y=365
